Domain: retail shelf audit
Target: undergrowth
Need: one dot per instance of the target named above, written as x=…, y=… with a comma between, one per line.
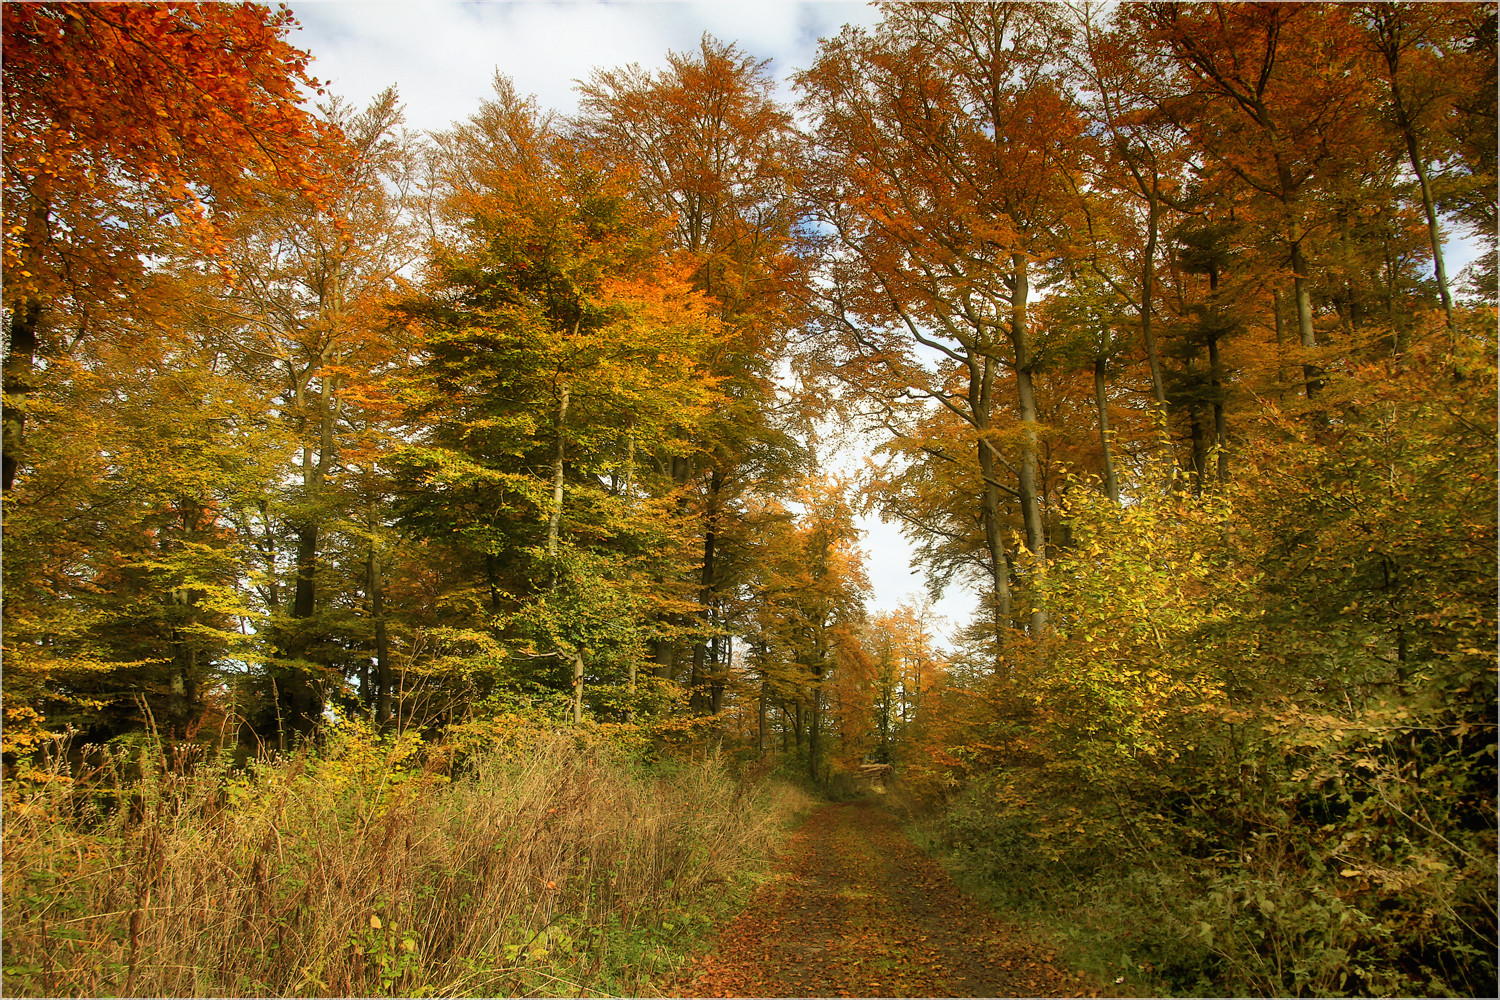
x=373, y=867
x=1273, y=921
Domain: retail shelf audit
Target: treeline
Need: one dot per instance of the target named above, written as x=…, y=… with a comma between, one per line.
x=308, y=417
x=341, y=419
x=1152, y=301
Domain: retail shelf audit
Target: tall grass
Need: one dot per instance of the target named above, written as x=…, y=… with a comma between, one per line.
x=365, y=869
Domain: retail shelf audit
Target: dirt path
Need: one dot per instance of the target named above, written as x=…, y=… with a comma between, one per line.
x=857, y=910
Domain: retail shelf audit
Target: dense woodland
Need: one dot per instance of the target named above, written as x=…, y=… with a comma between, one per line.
x=315, y=426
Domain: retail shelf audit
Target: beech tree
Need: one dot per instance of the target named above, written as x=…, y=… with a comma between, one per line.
x=808, y=609
x=938, y=226
x=1263, y=101
x=124, y=597
x=310, y=277
x=563, y=345
x=125, y=126
x=713, y=152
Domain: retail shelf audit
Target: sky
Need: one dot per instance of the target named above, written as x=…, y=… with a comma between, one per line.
x=442, y=56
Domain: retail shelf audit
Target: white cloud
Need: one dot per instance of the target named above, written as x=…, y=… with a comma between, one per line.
x=442, y=55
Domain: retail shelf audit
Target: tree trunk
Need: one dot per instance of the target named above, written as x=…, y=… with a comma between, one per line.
x=577, y=687
x=17, y=372
x=666, y=652
x=20, y=356
x=1221, y=431
x=761, y=717
x=700, y=700
x=1111, y=485
x=1031, y=509
x=981, y=381
x=1390, y=45
x=815, y=727
x=299, y=698
x=720, y=674
x=554, y=520
x=1302, y=290
x=1216, y=379
x=630, y=712
x=1148, y=290
x=1200, y=451
x=664, y=655
x=382, y=641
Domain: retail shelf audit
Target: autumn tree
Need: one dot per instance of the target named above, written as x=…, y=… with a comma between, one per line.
x=1144, y=159
x=886, y=687
x=1279, y=98
x=564, y=348
x=713, y=152
x=125, y=603
x=947, y=154
x=809, y=595
x=125, y=126
x=309, y=282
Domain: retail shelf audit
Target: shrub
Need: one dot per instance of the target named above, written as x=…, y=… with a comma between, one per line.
x=364, y=868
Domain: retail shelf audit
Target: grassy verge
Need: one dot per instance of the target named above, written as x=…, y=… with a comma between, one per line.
x=1159, y=923
x=368, y=869
x=1110, y=916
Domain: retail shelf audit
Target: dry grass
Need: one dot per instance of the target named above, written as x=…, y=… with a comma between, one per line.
x=365, y=870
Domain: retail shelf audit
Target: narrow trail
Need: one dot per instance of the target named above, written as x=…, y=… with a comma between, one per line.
x=856, y=909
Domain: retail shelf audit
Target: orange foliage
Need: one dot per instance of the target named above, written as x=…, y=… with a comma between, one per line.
x=115, y=110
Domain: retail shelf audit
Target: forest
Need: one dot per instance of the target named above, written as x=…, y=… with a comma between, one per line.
x=397, y=523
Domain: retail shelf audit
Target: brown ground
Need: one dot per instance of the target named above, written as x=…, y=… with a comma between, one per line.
x=857, y=910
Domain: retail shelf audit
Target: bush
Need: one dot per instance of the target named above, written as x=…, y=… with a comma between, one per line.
x=366, y=869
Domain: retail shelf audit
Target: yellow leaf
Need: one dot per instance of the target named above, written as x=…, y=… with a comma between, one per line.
x=374, y=922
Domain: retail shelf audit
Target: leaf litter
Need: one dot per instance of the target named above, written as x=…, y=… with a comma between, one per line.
x=856, y=909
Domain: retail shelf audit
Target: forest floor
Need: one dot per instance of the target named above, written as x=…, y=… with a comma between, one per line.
x=856, y=909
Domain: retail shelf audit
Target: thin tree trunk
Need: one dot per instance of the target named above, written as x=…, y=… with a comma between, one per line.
x=1302, y=290
x=1148, y=290
x=382, y=641
x=761, y=717
x=1031, y=510
x=630, y=712
x=981, y=385
x=577, y=687
x=1390, y=45
x=1221, y=431
x=1434, y=233
x=1216, y=380
x=1111, y=485
x=554, y=520
x=720, y=672
x=814, y=727
x=699, y=700
x=629, y=467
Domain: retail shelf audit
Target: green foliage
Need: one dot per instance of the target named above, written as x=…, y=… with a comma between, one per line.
x=1279, y=699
